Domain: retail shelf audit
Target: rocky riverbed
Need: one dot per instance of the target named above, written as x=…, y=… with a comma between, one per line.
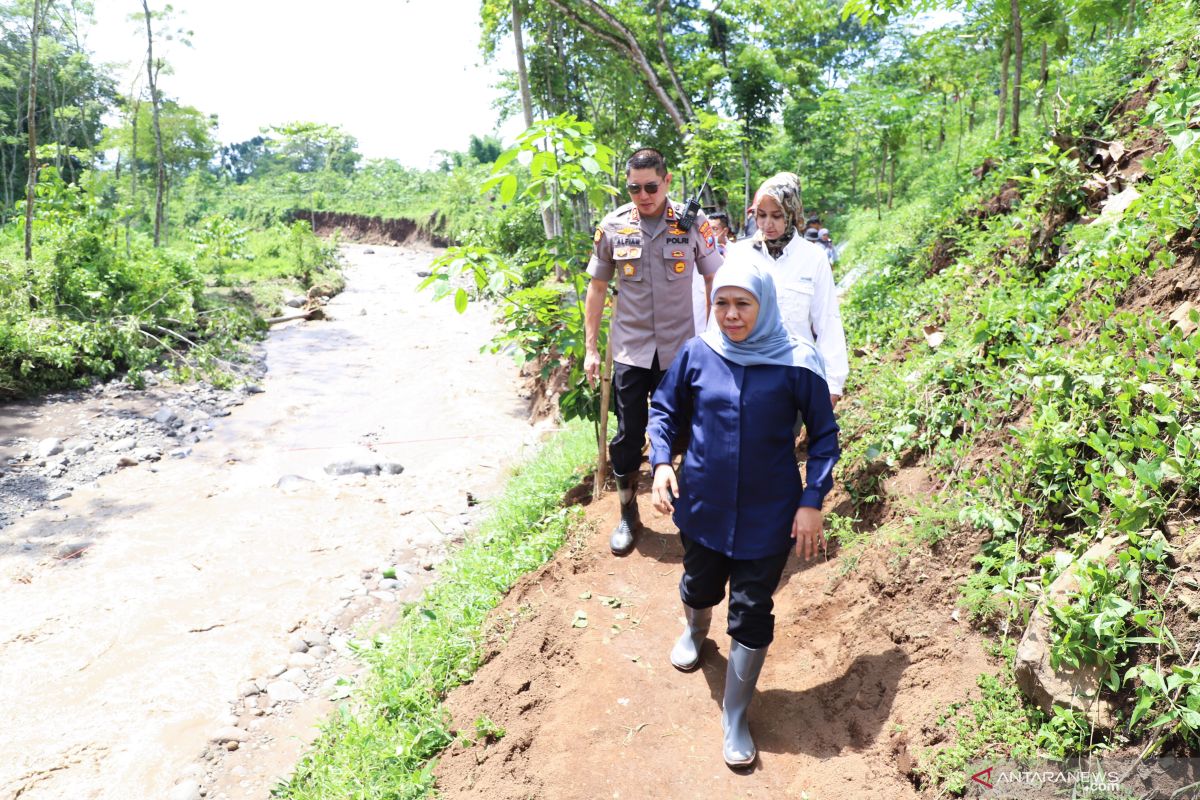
x=184, y=569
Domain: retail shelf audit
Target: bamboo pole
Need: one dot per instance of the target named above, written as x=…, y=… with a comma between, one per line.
x=605, y=397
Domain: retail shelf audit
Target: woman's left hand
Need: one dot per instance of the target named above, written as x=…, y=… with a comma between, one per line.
x=808, y=529
x=665, y=490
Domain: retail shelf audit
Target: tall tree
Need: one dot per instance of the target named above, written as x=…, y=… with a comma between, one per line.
x=1018, y=59
x=153, y=68
x=35, y=32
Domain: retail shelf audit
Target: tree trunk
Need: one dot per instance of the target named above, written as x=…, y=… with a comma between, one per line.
x=854, y=175
x=35, y=32
x=961, y=125
x=662, y=51
x=971, y=116
x=160, y=177
x=1002, y=111
x=942, y=123
x=879, y=179
x=1018, y=64
x=527, y=96
x=746, y=174
x=1044, y=78
x=891, y=179
x=133, y=173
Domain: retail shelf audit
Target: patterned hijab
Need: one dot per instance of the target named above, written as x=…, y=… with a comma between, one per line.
x=769, y=342
x=784, y=188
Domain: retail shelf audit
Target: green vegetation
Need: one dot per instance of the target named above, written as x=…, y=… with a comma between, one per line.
x=1012, y=336
x=1013, y=343
x=382, y=745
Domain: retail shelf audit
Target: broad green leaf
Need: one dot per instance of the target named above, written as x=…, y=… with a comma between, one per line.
x=460, y=300
x=508, y=189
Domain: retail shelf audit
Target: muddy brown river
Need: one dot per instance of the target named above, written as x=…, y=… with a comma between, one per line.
x=120, y=668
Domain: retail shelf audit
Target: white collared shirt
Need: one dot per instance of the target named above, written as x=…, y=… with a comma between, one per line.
x=807, y=299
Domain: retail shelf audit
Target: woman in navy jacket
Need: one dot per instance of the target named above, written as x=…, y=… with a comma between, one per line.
x=739, y=501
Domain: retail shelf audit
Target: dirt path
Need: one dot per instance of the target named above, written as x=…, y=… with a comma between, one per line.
x=862, y=666
x=203, y=576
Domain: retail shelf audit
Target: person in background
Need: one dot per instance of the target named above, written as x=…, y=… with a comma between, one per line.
x=811, y=235
x=720, y=227
x=827, y=243
x=802, y=274
x=654, y=260
x=749, y=228
x=720, y=224
x=739, y=501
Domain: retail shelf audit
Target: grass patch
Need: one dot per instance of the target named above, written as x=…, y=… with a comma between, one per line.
x=383, y=745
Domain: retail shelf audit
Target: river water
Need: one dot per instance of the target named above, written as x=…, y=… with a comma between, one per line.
x=117, y=666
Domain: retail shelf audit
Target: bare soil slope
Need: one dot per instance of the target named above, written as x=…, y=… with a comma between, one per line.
x=862, y=665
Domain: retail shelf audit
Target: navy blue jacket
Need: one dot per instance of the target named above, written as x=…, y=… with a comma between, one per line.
x=740, y=486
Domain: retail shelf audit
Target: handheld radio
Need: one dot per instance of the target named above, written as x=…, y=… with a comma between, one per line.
x=693, y=205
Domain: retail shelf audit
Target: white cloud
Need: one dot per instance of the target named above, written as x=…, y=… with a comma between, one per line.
x=406, y=78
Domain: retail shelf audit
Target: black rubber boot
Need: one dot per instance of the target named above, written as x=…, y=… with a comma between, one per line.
x=741, y=677
x=623, y=535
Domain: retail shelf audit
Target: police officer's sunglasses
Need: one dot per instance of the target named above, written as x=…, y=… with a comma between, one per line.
x=637, y=188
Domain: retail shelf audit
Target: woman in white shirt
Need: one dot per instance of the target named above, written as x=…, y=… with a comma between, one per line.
x=801, y=272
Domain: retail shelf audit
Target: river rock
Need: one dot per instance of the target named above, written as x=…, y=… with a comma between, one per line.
x=228, y=733
x=296, y=644
x=314, y=638
x=301, y=660
x=187, y=790
x=248, y=689
x=352, y=466
x=290, y=484
x=391, y=468
x=147, y=454
x=284, y=691
x=59, y=494
x=49, y=447
x=294, y=675
x=295, y=302
x=81, y=447
x=123, y=445
x=165, y=416
x=1067, y=688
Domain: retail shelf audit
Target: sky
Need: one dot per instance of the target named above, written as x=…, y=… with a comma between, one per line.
x=405, y=77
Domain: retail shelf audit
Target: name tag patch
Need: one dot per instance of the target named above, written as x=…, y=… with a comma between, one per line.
x=677, y=240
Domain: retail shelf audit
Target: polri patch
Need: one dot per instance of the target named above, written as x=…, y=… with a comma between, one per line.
x=599, y=236
x=677, y=240
x=677, y=254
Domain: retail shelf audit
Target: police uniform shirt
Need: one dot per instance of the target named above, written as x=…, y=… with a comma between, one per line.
x=655, y=261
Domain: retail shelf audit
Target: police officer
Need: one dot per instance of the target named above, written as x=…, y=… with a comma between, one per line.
x=654, y=258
